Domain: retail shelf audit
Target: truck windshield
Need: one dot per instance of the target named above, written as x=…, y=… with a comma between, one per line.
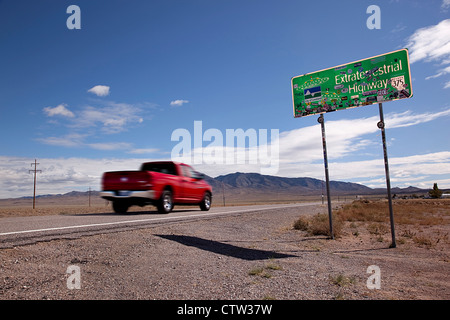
x=163, y=167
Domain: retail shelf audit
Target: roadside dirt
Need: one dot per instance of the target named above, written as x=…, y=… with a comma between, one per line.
x=251, y=256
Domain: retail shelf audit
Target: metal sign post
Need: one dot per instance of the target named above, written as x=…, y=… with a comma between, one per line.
x=321, y=120
x=388, y=179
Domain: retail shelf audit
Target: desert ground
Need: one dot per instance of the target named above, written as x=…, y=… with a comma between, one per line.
x=279, y=255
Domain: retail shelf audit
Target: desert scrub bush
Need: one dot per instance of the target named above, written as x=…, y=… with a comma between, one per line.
x=265, y=270
x=364, y=210
x=301, y=223
x=423, y=241
x=377, y=228
x=408, y=234
x=319, y=225
x=341, y=280
x=256, y=271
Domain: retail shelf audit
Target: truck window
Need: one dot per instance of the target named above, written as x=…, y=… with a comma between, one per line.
x=190, y=172
x=162, y=167
x=186, y=171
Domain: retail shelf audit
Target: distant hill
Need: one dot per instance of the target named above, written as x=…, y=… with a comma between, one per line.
x=270, y=184
x=72, y=194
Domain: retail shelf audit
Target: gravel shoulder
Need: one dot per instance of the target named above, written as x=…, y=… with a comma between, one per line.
x=254, y=255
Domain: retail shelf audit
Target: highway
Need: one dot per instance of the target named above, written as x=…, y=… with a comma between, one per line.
x=26, y=230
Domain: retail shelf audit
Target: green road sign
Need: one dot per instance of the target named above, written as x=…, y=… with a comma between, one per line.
x=377, y=79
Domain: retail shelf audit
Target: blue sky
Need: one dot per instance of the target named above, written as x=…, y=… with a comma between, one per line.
x=164, y=64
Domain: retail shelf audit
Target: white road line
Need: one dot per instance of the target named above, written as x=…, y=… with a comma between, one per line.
x=146, y=220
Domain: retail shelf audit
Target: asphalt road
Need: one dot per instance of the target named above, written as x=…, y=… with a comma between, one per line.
x=26, y=230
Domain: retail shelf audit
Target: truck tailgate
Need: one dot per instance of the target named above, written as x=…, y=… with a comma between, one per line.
x=126, y=180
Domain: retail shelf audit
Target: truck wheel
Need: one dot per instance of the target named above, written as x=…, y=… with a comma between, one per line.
x=120, y=206
x=165, y=204
x=205, y=205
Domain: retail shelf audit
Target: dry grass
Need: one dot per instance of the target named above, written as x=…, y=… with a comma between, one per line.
x=416, y=212
x=319, y=225
x=423, y=222
x=264, y=271
x=342, y=280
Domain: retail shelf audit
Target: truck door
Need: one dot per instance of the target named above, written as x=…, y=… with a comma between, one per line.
x=191, y=186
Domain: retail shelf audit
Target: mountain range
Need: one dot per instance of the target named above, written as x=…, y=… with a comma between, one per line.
x=250, y=187
x=302, y=186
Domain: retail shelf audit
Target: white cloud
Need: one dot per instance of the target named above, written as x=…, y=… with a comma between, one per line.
x=302, y=144
x=113, y=117
x=143, y=151
x=300, y=154
x=300, y=150
x=178, y=103
x=447, y=85
x=70, y=140
x=441, y=72
x=407, y=118
x=445, y=5
x=59, y=110
x=58, y=175
x=399, y=167
x=78, y=140
x=67, y=174
x=108, y=118
x=430, y=43
x=100, y=90
x=108, y=146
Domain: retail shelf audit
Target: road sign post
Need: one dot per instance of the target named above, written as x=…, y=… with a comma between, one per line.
x=321, y=120
x=388, y=179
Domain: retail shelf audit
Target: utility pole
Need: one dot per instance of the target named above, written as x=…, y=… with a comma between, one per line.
x=89, y=197
x=34, y=171
x=223, y=193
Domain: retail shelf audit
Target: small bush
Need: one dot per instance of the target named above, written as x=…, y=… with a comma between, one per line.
x=377, y=228
x=423, y=241
x=262, y=271
x=342, y=280
x=256, y=271
x=301, y=224
x=319, y=225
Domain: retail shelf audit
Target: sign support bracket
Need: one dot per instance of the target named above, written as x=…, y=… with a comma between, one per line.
x=321, y=120
x=380, y=125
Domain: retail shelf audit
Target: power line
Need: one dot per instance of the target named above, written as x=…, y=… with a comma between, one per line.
x=34, y=171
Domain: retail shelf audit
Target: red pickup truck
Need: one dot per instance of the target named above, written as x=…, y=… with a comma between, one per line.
x=162, y=183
